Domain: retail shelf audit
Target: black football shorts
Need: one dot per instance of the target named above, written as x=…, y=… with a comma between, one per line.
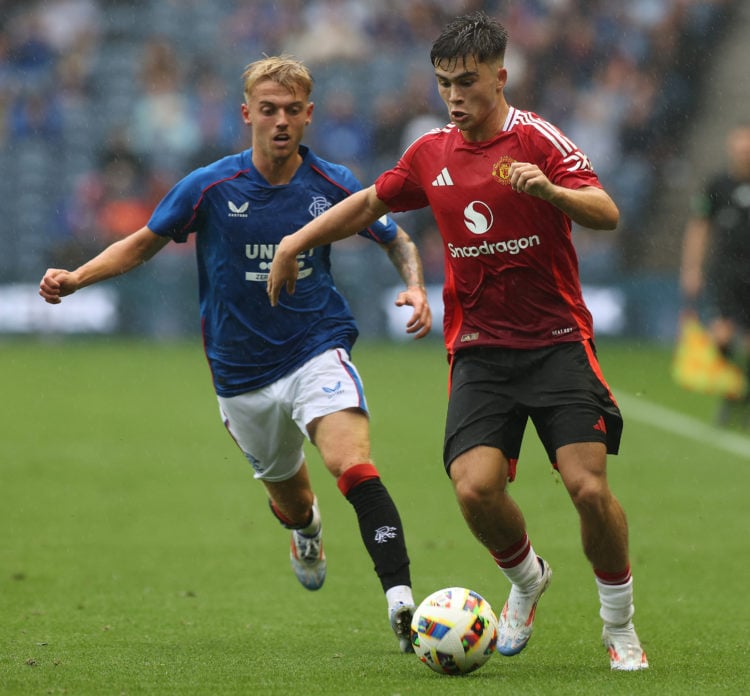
x=495, y=391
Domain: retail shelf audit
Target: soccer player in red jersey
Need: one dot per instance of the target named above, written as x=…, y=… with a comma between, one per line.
x=505, y=186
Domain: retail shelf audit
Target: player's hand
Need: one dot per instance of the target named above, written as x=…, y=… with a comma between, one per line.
x=56, y=284
x=420, y=322
x=528, y=178
x=283, y=273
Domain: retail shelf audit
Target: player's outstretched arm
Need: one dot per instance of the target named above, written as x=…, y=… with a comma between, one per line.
x=344, y=219
x=406, y=260
x=116, y=259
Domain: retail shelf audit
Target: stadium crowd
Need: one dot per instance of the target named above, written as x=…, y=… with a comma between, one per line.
x=105, y=103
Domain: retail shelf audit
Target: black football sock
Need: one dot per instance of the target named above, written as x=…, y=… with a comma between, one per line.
x=381, y=530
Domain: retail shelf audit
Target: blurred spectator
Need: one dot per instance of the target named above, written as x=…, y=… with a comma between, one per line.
x=35, y=114
x=161, y=126
x=214, y=112
x=31, y=56
x=69, y=25
x=388, y=120
x=419, y=124
x=117, y=195
x=342, y=135
x=107, y=202
x=263, y=26
x=333, y=30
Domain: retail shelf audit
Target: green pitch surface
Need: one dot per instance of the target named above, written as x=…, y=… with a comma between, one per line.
x=137, y=554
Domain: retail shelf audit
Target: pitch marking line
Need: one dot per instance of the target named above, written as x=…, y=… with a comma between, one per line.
x=649, y=413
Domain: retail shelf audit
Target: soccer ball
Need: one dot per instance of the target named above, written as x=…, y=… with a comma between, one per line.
x=454, y=631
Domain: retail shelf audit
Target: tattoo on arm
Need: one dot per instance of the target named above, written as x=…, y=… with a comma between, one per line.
x=405, y=258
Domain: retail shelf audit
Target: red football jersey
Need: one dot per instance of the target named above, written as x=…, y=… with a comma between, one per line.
x=511, y=271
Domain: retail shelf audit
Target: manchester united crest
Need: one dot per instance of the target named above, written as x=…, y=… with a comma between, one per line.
x=501, y=170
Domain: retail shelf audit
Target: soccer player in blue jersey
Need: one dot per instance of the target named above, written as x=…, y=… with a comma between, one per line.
x=282, y=374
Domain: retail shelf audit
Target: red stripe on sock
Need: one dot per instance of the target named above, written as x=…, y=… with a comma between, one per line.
x=356, y=475
x=513, y=555
x=613, y=578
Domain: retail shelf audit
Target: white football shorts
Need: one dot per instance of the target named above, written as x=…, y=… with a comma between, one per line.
x=270, y=424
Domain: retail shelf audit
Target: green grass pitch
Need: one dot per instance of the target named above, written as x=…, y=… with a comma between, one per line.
x=137, y=555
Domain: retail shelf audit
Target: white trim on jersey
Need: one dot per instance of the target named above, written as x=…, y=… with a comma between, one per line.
x=570, y=152
x=510, y=119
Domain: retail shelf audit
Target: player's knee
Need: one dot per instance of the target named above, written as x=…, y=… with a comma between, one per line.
x=473, y=494
x=590, y=495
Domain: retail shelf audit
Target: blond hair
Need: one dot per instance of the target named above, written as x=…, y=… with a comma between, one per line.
x=284, y=70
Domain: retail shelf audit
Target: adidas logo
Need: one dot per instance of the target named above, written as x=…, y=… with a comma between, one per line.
x=443, y=179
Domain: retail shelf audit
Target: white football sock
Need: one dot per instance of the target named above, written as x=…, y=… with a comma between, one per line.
x=399, y=594
x=617, y=607
x=527, y=574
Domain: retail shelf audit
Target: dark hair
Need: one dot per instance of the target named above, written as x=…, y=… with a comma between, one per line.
x=473, y=35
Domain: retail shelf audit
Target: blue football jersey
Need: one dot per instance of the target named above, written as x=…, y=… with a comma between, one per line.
x=238, y=219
